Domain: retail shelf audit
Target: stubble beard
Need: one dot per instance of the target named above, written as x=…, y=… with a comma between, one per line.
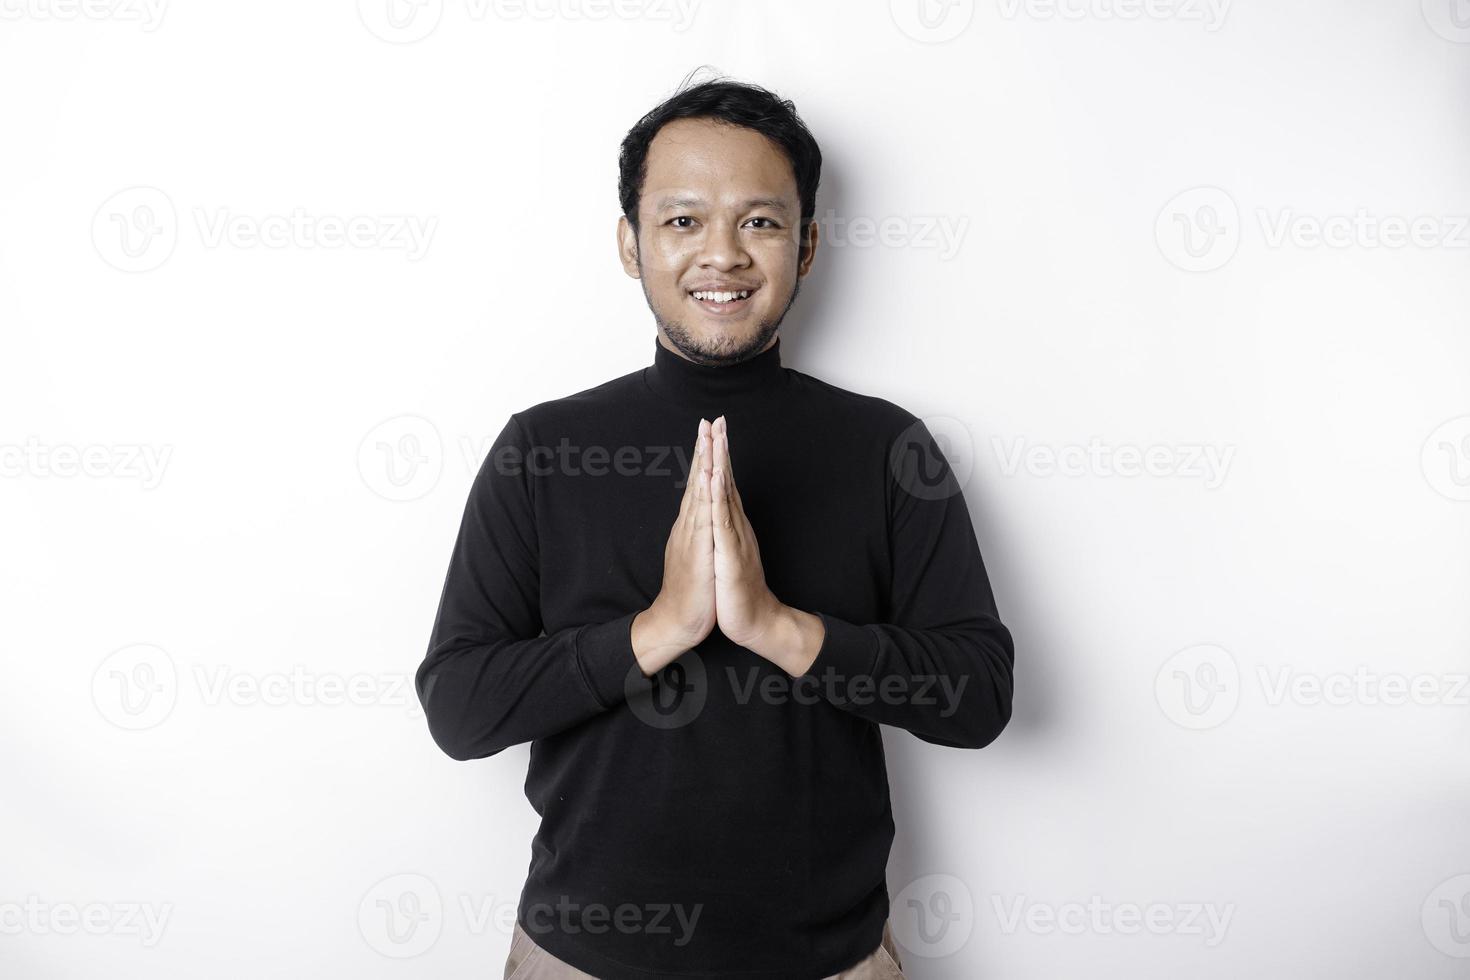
x=722, y=350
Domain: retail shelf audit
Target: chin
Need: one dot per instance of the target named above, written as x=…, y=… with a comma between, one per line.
x=722, y=339
x=701, y=338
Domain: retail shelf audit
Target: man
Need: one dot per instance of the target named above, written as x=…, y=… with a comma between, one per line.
x=698, y=589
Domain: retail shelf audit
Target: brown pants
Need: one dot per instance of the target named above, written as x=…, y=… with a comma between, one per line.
x=528, y=961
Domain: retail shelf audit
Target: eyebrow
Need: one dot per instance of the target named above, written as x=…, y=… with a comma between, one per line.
x=770, y=203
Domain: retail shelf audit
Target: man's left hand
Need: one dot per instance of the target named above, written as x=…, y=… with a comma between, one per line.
x=747, y=612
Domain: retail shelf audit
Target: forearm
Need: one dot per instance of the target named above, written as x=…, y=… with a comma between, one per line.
x=483, y=693
x=950, y=686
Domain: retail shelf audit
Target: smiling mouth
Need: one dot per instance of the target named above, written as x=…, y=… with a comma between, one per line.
x=722, y=303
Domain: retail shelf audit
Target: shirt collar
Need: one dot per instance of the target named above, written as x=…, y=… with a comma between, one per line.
x=714, y=386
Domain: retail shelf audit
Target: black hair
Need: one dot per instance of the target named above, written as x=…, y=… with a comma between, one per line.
x=736, y=103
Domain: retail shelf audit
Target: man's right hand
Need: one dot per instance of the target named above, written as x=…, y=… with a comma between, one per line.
x=683, y=613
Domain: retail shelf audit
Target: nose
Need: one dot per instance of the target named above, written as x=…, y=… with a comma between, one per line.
x=720, y=246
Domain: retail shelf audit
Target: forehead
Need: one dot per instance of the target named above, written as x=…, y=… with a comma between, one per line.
x=715, y=161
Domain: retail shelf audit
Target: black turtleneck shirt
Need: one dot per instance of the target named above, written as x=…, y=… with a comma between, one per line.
x=721, y=818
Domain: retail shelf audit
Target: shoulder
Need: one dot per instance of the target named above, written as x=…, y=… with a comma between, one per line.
x=914, y=451
x=875, y=414
x=557, y=414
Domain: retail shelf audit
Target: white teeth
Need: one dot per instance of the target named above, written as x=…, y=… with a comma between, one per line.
x=722, y=297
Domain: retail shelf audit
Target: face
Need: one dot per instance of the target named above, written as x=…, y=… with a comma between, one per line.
x=719, y=213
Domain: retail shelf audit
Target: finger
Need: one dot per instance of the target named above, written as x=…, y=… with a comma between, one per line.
x=719, y=511
x=699, y=461
x=722, y=433
x=732, y=488
x=706, y=478
x=718, y=504
x=717, y=463
x=702, y=483
x=726, y=519
x=702, y=517
x=734, y=506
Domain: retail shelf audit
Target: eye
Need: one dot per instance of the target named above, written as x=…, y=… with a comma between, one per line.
x=682, y=217
x=769, y=223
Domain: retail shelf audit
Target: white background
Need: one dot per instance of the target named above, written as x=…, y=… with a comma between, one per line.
x=1135, y=190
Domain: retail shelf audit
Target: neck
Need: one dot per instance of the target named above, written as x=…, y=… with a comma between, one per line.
x=713, y=387
x=664, y=341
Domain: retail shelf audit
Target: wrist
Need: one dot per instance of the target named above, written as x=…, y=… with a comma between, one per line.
x=790, y=639
x=657, y=639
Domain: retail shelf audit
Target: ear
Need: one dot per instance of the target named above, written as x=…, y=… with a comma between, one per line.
x=808, y=248
x=628, y=247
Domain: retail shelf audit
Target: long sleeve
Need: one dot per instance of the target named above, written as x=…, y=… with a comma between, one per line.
x=492, y=677
x=942, y=666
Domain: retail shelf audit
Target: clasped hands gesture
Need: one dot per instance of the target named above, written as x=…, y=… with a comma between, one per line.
x=713, y=576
